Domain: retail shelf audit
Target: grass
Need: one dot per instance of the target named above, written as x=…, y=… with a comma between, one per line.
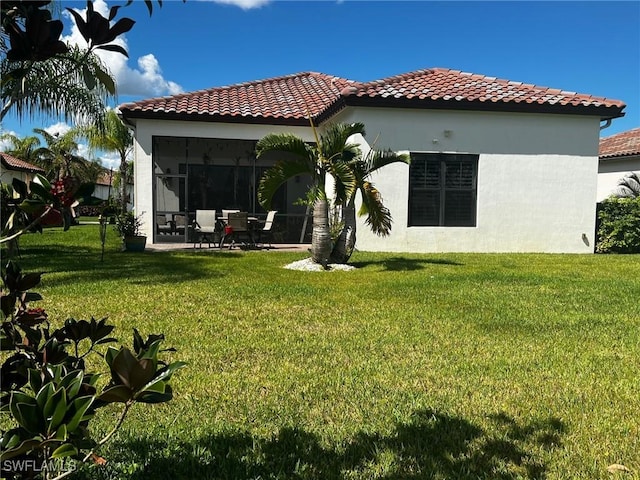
x=449, y=366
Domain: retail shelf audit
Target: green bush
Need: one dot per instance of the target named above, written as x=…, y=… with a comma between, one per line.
x=619, y=225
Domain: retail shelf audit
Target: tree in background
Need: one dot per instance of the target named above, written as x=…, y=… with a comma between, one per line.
x=114, y=137
x=27, y=149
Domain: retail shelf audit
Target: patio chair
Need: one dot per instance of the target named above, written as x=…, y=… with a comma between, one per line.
x=265, y=231
x=164, y=224
x=180, y=223
x=225, y=213
x=205, y=226
x=237, y=230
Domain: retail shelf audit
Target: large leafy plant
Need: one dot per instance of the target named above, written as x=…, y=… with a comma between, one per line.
x=47, y=391
x=26, y=205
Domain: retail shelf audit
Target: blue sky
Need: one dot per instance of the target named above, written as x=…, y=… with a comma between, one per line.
x=588, y=47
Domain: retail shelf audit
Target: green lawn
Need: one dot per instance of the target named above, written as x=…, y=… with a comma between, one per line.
x=448, y=366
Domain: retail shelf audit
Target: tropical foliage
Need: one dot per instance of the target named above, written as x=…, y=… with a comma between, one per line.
x=114, y=137
x=329, y=156
x=25, y=205
x=619, y=225
x=41, y=74
x=337, y=155
x=378, y=217
x=48, y=390
x=628, y=186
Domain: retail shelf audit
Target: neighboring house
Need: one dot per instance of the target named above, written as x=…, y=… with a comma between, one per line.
x=497, y=165
x=619, y=155
x=12, y=167
x=105, y=187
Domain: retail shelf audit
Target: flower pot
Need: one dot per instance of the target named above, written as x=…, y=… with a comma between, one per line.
x=135, y=243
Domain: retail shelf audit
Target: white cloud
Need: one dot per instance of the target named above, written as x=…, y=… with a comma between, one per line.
x=146, y=80
x=243, y=4
x=110, y=160
x=59, y=128
x=5, y=144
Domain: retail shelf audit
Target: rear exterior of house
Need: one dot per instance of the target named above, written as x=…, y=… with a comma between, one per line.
x=497, y=166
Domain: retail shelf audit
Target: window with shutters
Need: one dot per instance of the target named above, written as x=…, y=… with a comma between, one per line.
x=442, y=190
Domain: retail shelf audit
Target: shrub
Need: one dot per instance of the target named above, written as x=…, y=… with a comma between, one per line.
x=619, y=225
x=47, y=391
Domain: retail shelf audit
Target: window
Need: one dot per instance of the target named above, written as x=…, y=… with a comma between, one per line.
x=442, y=189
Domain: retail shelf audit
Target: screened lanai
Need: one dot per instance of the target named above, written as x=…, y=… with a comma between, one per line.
x=214, y=174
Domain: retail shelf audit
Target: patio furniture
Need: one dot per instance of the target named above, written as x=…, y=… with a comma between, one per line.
x=225, y=213
x=180, y=223
x=265, y=232
x=205, y=227
x=237, y=230
x=164, y=224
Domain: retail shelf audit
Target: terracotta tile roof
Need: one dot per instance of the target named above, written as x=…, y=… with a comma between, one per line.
x=14, y=163
x=281, y=98
x=105, y=178
x=285, y=99
x=621, y=144
x=457, y=86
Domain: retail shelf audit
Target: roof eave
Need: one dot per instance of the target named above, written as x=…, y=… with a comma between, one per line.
x=517, y=107
x=196, y=117
x=324, y=115
x=619, y=156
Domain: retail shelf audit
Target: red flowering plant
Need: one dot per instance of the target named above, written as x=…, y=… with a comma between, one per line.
x=47, y=392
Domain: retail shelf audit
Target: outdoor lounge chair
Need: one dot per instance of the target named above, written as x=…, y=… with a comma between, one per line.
x=265, y=232
x=205, y=226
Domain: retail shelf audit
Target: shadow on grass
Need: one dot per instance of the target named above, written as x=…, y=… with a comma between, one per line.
x=400, y=264
x=431, y=445
x=85, y=264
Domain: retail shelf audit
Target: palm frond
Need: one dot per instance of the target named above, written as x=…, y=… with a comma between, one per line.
x=628, y=186
x=333, y=142
x=277, y=175
x=377, y=159
x=345, y=181
x=378, y=216
x=57, y=87
x=284, y=143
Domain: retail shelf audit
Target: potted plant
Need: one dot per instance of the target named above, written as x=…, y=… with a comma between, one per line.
x=128, y=226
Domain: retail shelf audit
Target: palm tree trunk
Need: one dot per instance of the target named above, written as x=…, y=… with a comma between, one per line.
x=346, y=242
x=320, y=236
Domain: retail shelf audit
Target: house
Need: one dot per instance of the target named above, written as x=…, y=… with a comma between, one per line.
x=12, y=167
x=497, y=165
x=619, y=155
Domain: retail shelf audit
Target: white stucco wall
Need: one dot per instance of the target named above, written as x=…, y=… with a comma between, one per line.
x=610, y=171
x=7, y=176
x=537, y=179
x=537, y=175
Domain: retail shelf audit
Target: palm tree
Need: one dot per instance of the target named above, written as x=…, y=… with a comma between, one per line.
x=60, y=158
x=114, y=137
x=329, y=156
x=27, y=149
x=628, y=186
x=76, y=85
x=378, y=216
